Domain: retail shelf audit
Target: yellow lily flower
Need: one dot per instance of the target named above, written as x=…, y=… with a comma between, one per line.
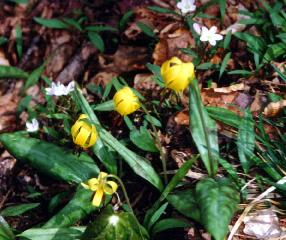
x=176, y=74
x=100, y=186
x=83, y=133
x=125, y=101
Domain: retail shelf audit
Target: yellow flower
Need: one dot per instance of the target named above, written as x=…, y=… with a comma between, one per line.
x=100, y=185
x=177, y=74
x=83, y=133
x=125, y=101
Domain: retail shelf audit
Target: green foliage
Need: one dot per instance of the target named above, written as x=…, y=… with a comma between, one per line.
x=203, y=129
x=224, y=64
x=18, y=210
x=125, y=18
x=246, y=140
x=143, y=140
x=79, y=207
x=19, y=41
x=146, y=29
x=3, y=40
x=34, y=77
x=96, y=40
x=49, y=158
x=218, y=201
x=5, y=230
x=12, y=72
x=140, y=165
x=114, y=226
x=51, y=23
x=71, y=233
x=169, y=223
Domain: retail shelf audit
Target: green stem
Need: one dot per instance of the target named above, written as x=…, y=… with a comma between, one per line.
x=127, y=199
x=194, y=87
x=157, y=139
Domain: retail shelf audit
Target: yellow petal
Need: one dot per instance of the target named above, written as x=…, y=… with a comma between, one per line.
x=101, y=176
x=97, y=197
x=110, y=187
x=93, y=184
x=85, y=186
x=82, y=137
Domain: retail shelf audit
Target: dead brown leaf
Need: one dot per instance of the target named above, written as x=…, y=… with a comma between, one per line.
x=274, y=108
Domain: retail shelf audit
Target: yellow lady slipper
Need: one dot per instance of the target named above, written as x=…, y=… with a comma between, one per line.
x=100, y=186
x=83, y=133
x=176, y=74
x=125, y=101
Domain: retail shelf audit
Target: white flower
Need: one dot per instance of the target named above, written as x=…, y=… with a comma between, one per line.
x=210, y=35
x=198, y=28
x=32, y=126
x=186, y=6
x=58, y=89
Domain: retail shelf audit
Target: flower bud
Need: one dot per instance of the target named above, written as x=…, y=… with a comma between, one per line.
x=83, y=133
x=125, y=101
x=177, y=74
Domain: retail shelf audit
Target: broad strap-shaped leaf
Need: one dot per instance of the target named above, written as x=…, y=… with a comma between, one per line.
x=217, y=201
x=140, y=165
x=78, y=207
x=185, y=202
x=49, y=158
x=18, y=209
x=5, y=230
x=71, y=233
x=203, y=129
x=115, y=226
x=12, y=72
x=246, y=140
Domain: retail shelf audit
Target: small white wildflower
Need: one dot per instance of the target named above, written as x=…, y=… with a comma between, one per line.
x=186, y=6
x=210, y=35
x=198, y=28
x=58, y=89
x=32, y=126
x=113, y=220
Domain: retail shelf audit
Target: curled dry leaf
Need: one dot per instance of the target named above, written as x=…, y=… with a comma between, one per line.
x=232, y=88
x=274, y=108
x=103, y=78
x=170, y=46
x=3, y=60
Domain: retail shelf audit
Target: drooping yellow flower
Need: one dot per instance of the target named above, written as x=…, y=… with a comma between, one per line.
x=125, y=101
x=83, y=133
x=177, y=74
x=100, y=186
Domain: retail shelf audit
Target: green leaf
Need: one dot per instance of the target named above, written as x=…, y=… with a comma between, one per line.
x=156, y=70
x=208, y=65
x=24, y=104
x=227, y=40
x=73, y=23
x=125, y=18
x=203, y=129
x=217, y=201
x=3, y=40
x=281, y=75
x=246, y=140
x=157, y=214
x=51, y=23
x=146, y=29
x=78, y=208
x=18, y=210
x=71, y=233
x=101, y=28
x=240, y=72
x=224, y=115
x=224, y=64
x=153, y=120
x=254, y=43
x=222, y=7
x=5, y=230
x=19, y=41
x=274, y=51
x=162, y=10
x=185, y=203
x=49, y=158
x=169, y=223
x=143, y=140
x=229, y=168
x=180, y=174
x=96, y=40
x=115, y=226
x=12, y=72
x=34, y=77
x=140, y=165
x=105, y=106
